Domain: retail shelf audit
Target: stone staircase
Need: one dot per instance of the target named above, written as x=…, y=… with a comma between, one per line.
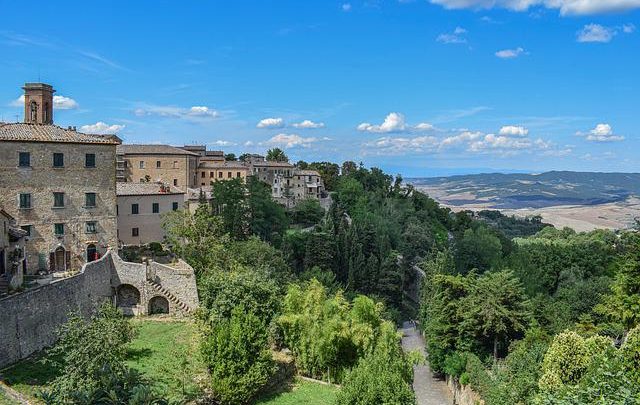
x=4, y=285
x=169, y=296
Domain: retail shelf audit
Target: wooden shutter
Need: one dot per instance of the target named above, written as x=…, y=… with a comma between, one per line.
x=67, y=259
x=52, y=262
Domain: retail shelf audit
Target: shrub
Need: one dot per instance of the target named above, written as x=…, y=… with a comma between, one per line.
x=237, y=354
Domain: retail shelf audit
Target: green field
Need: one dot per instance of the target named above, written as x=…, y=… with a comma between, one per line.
x=164, y=351
x=303, y=392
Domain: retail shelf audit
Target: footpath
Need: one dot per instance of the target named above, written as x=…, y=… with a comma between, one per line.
x=429, y=390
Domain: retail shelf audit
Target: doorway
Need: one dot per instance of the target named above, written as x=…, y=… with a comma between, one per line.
x=60, y=262
x=92, y=253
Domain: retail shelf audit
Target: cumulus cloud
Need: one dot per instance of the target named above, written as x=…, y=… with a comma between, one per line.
x=59, y=103
x=566, y=7
x=291, y=141
x=462, y=138
x=601, y=133
x=221, y=143
x=178, y=112
x=510, y=53
x=401, y=145
x=511, y=130
x=308, y=124
x=595, y=33
x=101, y=128
x=455, y=37
x=394, y=122
x=271, y=123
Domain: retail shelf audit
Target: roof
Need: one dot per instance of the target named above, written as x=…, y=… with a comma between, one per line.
x=216, y=164
x=306, y=173
x=130, y=188
x=272, y=164
x=22, y=132
x=130, y=149
x=194, y=193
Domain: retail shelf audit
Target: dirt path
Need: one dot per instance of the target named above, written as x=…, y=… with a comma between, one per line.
x=429, y=390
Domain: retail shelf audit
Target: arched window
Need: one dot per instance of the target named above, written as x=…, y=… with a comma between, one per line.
x=34, y=111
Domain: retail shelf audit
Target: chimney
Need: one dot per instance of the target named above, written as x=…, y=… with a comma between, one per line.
x=38, y=103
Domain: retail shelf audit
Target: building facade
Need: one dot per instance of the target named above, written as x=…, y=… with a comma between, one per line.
x=59, y=185
x=158, y=163
x=140, y=210
x=12, y=259
x=211, y=171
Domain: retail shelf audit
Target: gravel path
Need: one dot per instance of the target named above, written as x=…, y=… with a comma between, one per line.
x=429, y=390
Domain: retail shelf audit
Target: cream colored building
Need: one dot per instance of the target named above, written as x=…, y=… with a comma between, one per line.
x=59, y=185
x=141, y=207
x=212, y=171
x=158, y=163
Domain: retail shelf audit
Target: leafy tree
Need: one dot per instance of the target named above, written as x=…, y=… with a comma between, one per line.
x=90, y=354
x=229, y=202
x=277, y=155
x=383, y=376
x=479, y=249
x=267, y=219
x=308, y=212
x=230, y=157
x=237, y=354
x=302, y=165
x=348, y=168
x=329, y=172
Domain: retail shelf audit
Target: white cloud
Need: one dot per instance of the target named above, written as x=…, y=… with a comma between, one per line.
x=221, y=143
x=424, y=126
x=291, y=141
x=628, y=28
x=195, y=112
x=511, y=130
x=566, y=7
x=394, y=122
x=595, y=33
x=510, y=53
x=346, y=7
x=59, y=103
x=308, y=124
x=271, y=123
x=462, y=138
x=101, y=128
x=455, y=37
x=401, y=145
x=601, y=133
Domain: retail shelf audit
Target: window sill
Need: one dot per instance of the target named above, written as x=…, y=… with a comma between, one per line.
x=88, y=207
x=57, y=208
x=25, y=167
x=90, y=167
x=25, y=208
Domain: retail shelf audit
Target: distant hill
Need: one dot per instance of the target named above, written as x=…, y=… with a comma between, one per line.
x=505, y=191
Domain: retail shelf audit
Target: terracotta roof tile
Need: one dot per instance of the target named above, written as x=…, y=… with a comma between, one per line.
x=152, y=150
x=21, y=132
x=130, y=188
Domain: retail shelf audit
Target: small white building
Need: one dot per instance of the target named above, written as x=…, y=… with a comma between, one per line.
x=140, y=209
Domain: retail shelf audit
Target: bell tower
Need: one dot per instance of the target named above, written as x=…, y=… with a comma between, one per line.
x=38, y=103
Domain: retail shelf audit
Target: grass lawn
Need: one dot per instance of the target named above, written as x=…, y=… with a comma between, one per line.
x=165, y=351
x=303, y=392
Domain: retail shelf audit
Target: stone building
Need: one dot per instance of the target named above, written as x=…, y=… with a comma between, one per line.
x=140, y=209
x=210, y=171
x=158, y=163
x=306, y=184
x=12, y=260
x=59, y=185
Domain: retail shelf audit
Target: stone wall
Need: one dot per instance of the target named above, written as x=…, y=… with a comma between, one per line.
x=463, y=394
x=28, y=321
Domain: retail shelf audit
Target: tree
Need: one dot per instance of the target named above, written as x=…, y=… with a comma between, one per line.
x=329, y=173
x=302, y=165
x=237, y=354
x=229, y=202
x=267, y=219
x=276, y=155
x=348, y=168
x=496, y=308
x=479, y=249
x=230, y=157
x=308, y=212
x=88, y=350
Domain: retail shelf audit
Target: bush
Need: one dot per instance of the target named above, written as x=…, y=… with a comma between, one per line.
x=455, y=364
x=237, y=354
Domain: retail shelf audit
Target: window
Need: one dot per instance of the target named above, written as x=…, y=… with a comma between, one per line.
x=117, y=209
x=210, y=174
x=155, y=208
x=58, y=229
x=58, y=200
x=142, y=164
x=175, y=182
x=203, y=175
x=58, y=160
x=175, y=164
x=89, y=200
x=238, y=174
x=24, y=159
x=158, y=164
x=134, y=209
x=174, y=206
x=90, y=160
x=135, y=232
x=229, y=175
x=25, y=201
x=90, y=227
x=219, y=175
x=26, y=228
x=126, y=164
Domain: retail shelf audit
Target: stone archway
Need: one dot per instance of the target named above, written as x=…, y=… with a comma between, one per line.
x=158, y=305
x=92, y=253
x=127, y=296
x=60, y=259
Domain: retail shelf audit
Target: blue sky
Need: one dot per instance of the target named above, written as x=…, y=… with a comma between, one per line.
x=415, y=87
